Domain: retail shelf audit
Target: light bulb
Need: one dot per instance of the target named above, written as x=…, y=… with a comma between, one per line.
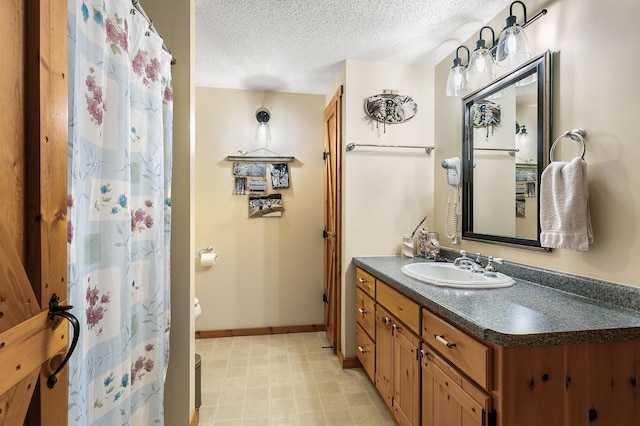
x=523, y=141
x=481, y=65
x=481, y=69
x=263, y=133
x=513, y=46
x=456, y=81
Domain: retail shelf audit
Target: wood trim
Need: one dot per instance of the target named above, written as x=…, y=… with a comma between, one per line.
x=259, y=331
x=348, y=362
x=195, y=418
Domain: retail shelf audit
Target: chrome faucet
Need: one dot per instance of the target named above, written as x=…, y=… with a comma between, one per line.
x=464, y=262
x=490, y=269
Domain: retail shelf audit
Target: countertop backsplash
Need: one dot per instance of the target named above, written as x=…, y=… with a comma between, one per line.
x=623, y=296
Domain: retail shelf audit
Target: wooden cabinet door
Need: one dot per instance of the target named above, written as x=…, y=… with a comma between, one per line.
x=427, y=388
x=384, y=355
x=406, y=384
x=397, y=367
x=448, y=398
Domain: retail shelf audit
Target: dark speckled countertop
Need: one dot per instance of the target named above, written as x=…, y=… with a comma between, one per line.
x=525, y=314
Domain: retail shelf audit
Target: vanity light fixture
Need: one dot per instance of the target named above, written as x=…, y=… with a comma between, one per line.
x=263, y=133
x=511, y=50
x=456, y=81
x=513, y=47
x=481, y=65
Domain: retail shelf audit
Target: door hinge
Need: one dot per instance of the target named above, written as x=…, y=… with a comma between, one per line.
x=325, y=154
x=324, y=298
x=325, y=234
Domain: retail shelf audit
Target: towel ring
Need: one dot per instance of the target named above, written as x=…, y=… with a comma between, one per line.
x=575, y=134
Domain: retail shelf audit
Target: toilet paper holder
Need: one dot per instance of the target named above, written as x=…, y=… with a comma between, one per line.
x=208, y=249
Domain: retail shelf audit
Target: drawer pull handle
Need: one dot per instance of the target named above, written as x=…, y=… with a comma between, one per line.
x=386, y=320
x=442, y=340
x=362, y=311
x=362, y=350
x=362, y=280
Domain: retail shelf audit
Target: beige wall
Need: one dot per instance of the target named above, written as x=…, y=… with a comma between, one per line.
x=175, y=22
x=595, y=59
x=385, y=191
x=269, y=271
x=595, y=45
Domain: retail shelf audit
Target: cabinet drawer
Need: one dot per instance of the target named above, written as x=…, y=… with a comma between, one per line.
x=366, y=313
x=366, y=282
x=467, y=354
x=406, y=310
x=365, y=351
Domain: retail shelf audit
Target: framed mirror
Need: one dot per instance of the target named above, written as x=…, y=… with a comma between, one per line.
x=505, y=148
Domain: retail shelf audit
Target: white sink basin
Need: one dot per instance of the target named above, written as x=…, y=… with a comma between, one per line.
x=448, y=275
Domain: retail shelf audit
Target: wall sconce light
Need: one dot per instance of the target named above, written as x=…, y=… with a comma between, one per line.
x=263, y=133
x=456, y=81
x=481, y=65
x=513, y=47
x=523, y=140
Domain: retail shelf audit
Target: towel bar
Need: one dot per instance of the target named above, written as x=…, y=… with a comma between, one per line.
x=428, y=148
x=576, y=135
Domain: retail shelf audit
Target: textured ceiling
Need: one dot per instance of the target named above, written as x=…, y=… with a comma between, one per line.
x=299, y=46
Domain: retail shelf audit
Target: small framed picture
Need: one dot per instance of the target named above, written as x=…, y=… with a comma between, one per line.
x=257, y=185
x=250, y=169
x=265, y=206
x=280, y=176
x=240, y=186
x=520, y=207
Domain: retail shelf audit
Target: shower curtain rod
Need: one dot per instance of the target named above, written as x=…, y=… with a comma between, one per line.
x=136, y=4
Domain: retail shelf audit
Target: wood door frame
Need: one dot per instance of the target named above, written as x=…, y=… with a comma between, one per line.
x=334, y=106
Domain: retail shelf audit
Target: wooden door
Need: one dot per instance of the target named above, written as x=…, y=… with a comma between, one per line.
x=332, y=217
x=33, y=207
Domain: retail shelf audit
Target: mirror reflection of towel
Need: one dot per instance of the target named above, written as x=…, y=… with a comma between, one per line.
x=565, y=221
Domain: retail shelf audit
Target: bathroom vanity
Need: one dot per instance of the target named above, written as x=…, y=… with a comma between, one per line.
x=532, y=354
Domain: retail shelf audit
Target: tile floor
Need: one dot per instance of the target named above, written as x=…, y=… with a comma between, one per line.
x=285, y=379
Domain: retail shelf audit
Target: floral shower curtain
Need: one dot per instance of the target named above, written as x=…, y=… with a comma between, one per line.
x=120, y=130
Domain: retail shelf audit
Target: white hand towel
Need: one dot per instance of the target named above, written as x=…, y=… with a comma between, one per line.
x=565, y=221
